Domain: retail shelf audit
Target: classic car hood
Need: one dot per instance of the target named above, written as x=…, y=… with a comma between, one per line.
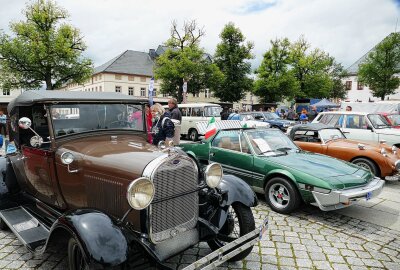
x=345, y=143
x=126, y=157
x=338, y=173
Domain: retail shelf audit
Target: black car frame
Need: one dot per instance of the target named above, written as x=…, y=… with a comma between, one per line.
x=84, y=175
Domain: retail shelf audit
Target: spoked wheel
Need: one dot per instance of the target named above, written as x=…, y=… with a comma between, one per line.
x=76, y=259
x=239, y=222
x=281, y=195
x=367, y=164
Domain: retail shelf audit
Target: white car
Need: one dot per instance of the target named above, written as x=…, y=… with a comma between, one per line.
x=361, y=126
x=248, y=119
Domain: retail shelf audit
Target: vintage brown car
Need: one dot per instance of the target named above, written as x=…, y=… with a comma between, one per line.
x=381, y=159
x=83, y=172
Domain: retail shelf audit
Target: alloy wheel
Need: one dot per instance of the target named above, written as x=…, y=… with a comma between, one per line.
x=279, y=195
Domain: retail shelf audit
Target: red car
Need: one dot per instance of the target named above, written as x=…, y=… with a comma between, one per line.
x=392, y=118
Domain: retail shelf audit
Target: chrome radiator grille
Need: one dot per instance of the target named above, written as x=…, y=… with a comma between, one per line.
x=170, y=217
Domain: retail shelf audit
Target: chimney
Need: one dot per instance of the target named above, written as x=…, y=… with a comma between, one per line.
x=152, y=53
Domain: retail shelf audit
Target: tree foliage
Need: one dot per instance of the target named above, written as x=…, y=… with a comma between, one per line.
x=184, y=60
x=379, y=68
x=43, y=49
x=291, y=70
x=230, y=57
x=275, y=81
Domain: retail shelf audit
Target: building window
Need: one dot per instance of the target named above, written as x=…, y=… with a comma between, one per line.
x=100, y=89
x=348, y=85
x=207, y=93
x=360, y=86
x=154, y=92
x=118, y=77
x=6, y=92
x=165, y=95
x=130, y=91
x=118, y=89
x=131, y=78
x=142, y=92
x=143, y=79
x=100, y=77
x=96, y=88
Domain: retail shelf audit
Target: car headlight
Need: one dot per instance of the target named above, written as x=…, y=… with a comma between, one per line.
x=394, y=149
x=213, y=175
x=286, y=125
x=397, y=165
x=383, y=151
x=140, y=193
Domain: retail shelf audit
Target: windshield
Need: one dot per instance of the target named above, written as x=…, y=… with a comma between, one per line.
x=331, y=134
x=394, y=119
x=378, y=121
x=272, y=116
x=78, y=118
x=245, y=117
x=212, y=111
x=270, y=142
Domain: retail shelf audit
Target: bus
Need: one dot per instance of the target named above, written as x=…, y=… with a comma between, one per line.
x=195, y=112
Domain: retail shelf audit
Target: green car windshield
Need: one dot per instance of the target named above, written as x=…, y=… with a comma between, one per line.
x=269, y=142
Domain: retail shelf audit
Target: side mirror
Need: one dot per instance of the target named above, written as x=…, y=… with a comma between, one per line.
x=24, y=123
x=370, y=128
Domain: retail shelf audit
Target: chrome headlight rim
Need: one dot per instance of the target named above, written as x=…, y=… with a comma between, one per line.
x=131, y=193
x=383, y=151
x=213, y=180
x=397, y=165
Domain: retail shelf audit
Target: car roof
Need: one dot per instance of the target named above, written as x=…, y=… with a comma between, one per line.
x=309, y=127
x=28, y=98
x=346, y=112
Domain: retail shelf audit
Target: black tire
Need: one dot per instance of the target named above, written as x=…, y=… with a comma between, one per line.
x=367, y=164
x=76, y=259
x=244, y=219
x=282, y=195
x=3, y=225
x=193, y=135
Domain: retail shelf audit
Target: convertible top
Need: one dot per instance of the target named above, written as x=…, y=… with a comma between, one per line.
x=28, y=98
x=309, y=127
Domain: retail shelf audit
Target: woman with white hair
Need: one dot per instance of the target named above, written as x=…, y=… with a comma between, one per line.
x=163, y=128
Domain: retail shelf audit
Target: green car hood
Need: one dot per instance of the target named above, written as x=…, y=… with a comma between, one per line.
x=339, y=174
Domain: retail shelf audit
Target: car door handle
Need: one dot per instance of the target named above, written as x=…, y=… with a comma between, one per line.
x=345, y=132
x=212, y=154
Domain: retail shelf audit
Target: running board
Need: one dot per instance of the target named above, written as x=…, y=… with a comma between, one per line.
x=27, y=228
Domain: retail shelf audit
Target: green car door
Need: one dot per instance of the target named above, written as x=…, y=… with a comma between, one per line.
x=231, y=150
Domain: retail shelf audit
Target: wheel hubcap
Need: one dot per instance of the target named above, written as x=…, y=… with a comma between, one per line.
x=279, y=196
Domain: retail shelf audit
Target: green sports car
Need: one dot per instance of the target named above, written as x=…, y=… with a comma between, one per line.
x=272, y=164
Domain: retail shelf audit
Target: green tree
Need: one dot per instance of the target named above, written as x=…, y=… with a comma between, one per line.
x=337, y=73
x=43, y=49
x=184, y=60
x=275, y=81
x=379, y=68
x=230, y=57
x=311, y=70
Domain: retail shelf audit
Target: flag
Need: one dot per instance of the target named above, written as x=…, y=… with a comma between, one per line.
x=245, y=125
x=211, y=128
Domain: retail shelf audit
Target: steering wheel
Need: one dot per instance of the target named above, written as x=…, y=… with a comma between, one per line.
x=121, y=123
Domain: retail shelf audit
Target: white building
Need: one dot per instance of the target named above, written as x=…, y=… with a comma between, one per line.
x=359, y=92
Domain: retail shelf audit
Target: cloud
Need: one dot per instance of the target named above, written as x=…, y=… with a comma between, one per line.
x=344, y=29
x=255, y=6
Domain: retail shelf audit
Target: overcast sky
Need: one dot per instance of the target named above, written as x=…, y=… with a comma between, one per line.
x=346, y=29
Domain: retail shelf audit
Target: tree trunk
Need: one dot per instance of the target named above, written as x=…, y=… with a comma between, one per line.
x=180, y=92
x=383, y=97
x=49, y=85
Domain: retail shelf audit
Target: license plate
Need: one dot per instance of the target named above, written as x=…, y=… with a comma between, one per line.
x=263, y=229
x=368, y=195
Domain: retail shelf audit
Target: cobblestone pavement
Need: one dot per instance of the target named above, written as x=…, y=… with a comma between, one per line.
x=308, y=239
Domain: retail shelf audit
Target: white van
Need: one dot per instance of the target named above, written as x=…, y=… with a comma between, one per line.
x=388, y=106
x=195, y=112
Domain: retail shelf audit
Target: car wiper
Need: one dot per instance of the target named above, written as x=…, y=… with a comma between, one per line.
x=284, y=149
x=268, y=151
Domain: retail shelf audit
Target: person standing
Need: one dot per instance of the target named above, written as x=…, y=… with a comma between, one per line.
x=176, y=117
x=163, y=127
x=225, y=114
x=3, y=123
x=313, y=113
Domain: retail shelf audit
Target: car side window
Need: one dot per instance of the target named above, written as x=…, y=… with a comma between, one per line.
x=244, y=145
x=356, y=122
x=228, y=139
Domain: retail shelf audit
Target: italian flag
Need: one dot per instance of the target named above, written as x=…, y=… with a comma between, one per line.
x=211, y=128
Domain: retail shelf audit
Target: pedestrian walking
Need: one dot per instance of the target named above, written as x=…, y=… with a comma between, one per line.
x=312, y=114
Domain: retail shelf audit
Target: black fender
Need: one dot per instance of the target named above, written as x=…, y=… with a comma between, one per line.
x=234, y=190
x=99, y=236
